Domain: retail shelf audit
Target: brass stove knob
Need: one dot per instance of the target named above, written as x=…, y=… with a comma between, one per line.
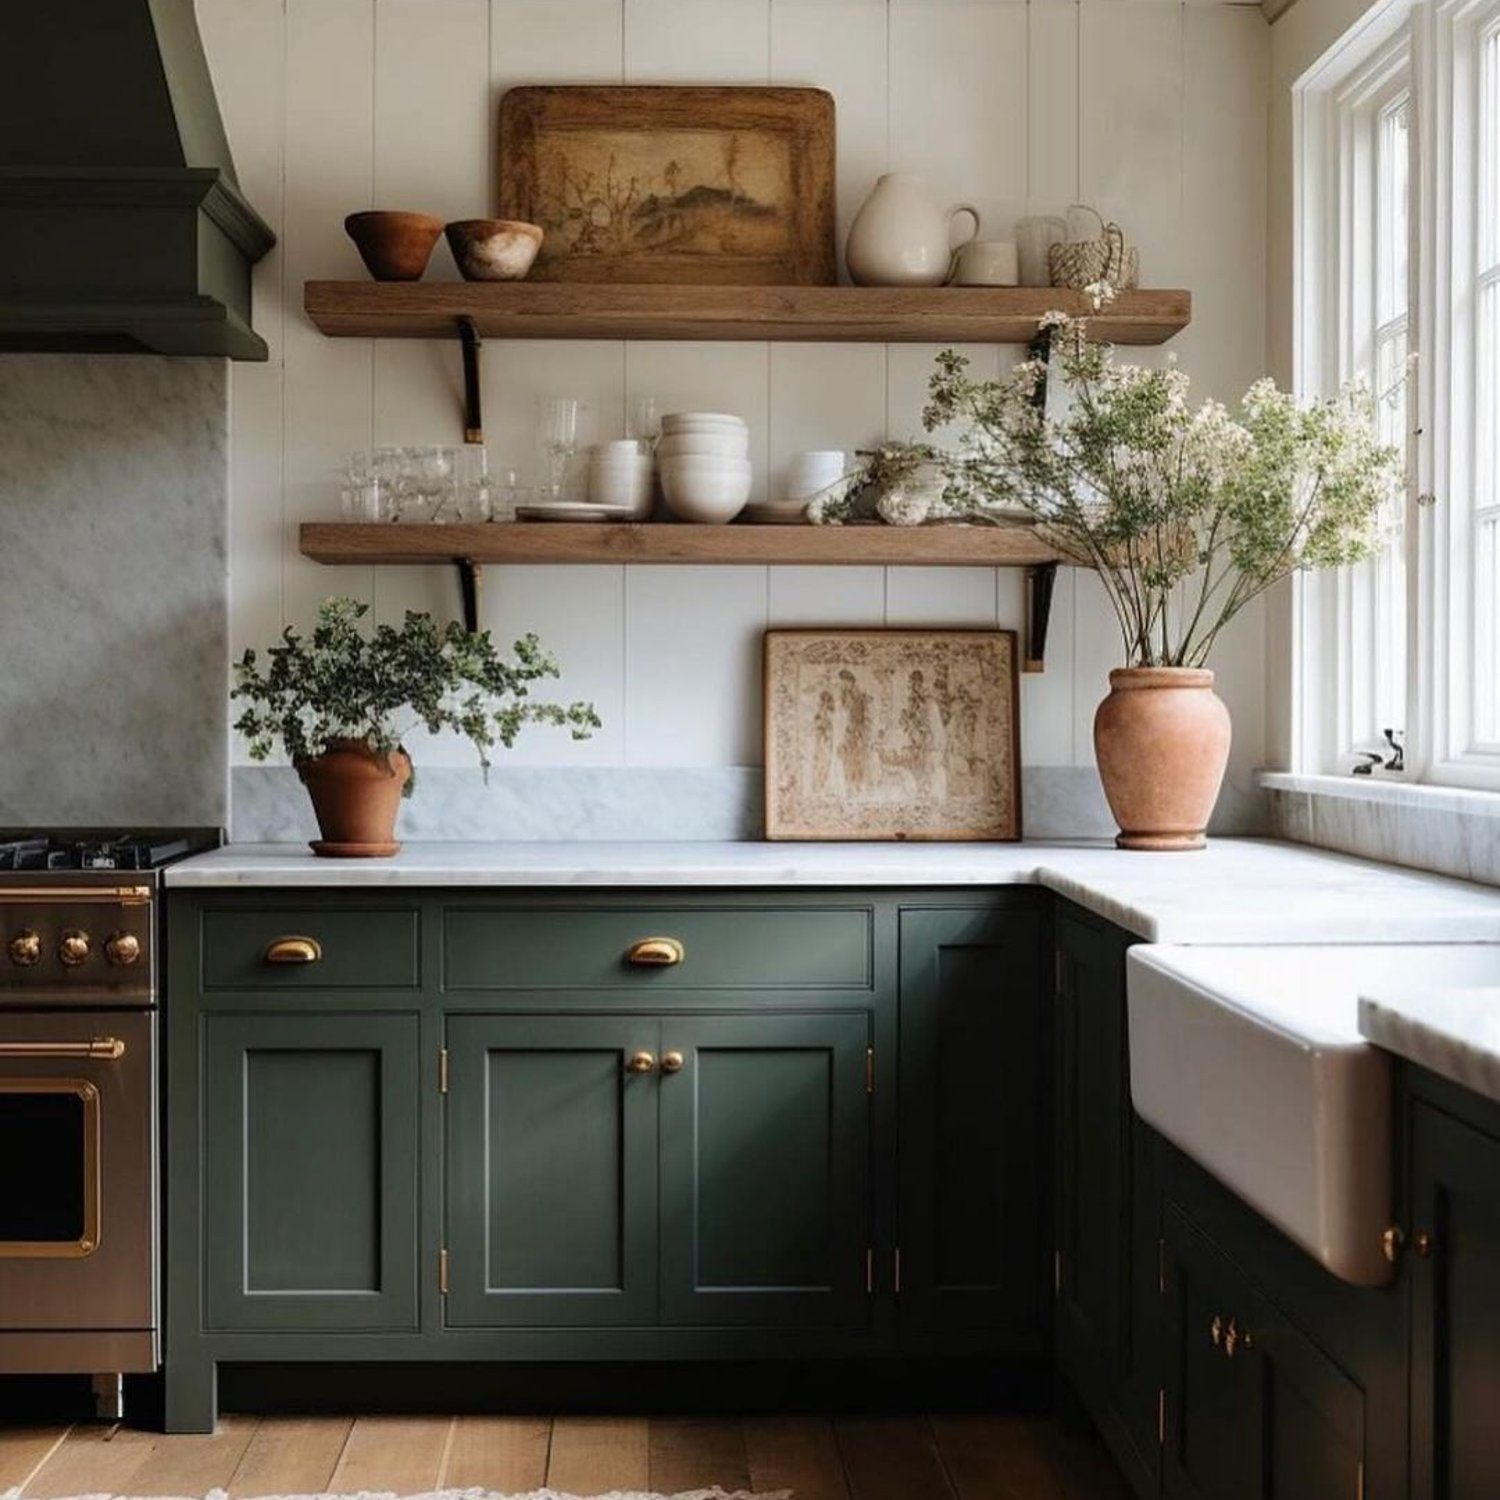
x=73, y=947
x=122, y=948
x=25, y=949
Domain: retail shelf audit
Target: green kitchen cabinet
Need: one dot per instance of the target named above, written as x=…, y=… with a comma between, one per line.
x=633, y=1170
x=310, y=1157
x=1253, y=1409
x=974, y=1087
x=1106, y=1273
x=550, y=1171
x=765, y=1170
x=1455, y=1305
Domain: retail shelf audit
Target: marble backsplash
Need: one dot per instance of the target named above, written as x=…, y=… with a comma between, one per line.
x=615, y=802
x=113, y=579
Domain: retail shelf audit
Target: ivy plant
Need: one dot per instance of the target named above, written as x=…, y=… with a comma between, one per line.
x=1186, y=513
x=346, y=682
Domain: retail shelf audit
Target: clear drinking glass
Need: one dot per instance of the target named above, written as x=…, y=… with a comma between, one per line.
x=559, y=438
x=644, y=422
x=505, y=494
x=471, y=483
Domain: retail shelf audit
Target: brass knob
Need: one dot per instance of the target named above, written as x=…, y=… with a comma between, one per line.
x=73, y=947
x=26, y=949
x=640, y=1062
x=1231, y=1339
x=1422, y=1243
x=671, y=1062
x=1216, y=1331
x=122, y=948
x=1391, y=1240
x=294, y=950
x=655, y=953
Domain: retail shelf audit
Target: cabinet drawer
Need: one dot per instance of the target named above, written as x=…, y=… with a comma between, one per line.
x=528, y=948
x=371, y=947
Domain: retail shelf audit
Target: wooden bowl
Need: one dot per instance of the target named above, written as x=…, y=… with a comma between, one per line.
x=394, y=245
x=494, y=249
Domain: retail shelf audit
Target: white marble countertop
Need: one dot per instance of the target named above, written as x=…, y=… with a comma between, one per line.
x=1453, y=1030
x=1235, y=891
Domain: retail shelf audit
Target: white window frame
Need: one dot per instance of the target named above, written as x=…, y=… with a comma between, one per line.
x=1435, y=43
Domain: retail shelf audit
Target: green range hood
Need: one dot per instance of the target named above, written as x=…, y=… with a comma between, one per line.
x=122, y=228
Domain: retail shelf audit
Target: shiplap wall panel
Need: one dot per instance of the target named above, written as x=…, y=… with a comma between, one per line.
x=1154, y=110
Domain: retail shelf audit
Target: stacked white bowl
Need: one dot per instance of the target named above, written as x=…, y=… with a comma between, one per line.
x=620, y=475
x=703, y=458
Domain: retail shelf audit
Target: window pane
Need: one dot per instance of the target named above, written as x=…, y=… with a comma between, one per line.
x=1392, y=153
x=1489, y=149
x=1487, y=631
x=1487, y=519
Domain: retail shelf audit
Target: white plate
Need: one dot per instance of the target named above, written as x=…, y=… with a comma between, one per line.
x=576, y=510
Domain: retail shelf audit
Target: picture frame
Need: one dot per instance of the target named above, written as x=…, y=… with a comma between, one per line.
x=728, y=186
x=892, y=735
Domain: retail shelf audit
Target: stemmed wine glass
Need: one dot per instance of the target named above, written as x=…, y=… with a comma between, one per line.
x=559, y=438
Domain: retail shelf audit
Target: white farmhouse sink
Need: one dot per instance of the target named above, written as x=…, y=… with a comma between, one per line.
x=1250, y=1060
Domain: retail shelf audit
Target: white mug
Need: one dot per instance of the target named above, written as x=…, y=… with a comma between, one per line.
x=986, y=263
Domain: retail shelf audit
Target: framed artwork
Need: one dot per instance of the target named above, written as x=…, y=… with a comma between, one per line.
x=721, y=186
x=892, y=734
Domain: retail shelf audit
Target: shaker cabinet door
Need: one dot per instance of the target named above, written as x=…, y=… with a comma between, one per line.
x=765, y=1140
x=310, y=1171
x=550, y=1156
x=973, y=1194
x=1455, y=1324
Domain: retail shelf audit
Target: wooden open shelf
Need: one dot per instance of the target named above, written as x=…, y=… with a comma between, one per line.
x=556, y=310
x=666, y=542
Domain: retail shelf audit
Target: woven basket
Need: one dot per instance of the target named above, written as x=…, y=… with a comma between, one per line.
x=1104, y=258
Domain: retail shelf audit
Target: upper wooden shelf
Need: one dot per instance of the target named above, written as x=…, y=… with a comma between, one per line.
x=556, y=310
x=667, y=542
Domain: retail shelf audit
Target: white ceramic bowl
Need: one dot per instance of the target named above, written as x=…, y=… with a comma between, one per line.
x=609, y=487
x=702, y=421
x=618, y=449
x=711, y=492
x=706, y=444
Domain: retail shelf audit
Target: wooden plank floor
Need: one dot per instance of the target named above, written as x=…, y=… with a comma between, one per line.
x=818, y=1458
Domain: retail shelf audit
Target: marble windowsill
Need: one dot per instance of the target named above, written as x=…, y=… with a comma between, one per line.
x=1447, y=830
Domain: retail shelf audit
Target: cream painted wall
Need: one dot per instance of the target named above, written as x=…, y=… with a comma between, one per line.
x=1155, y=111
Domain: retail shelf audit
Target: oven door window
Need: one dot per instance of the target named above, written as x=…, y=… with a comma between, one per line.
x=49, y=1167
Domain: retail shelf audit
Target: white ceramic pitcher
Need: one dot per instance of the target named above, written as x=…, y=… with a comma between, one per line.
x=900, y=237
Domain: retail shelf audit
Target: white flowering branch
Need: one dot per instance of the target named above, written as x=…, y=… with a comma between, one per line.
x=1186, y=514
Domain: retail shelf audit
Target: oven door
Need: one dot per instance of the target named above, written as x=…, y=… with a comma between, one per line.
x=77, y=1173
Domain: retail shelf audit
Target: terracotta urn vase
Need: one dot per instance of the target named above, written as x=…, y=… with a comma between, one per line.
x=355, y=793
x=1161, y=739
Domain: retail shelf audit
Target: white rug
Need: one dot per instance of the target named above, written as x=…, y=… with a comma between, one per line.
x=713, y=1494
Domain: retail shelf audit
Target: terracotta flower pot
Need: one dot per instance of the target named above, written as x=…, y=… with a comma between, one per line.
x=355, y=794
x=1162, y=741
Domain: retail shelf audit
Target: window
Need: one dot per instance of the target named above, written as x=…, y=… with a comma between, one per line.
x=1398, y=255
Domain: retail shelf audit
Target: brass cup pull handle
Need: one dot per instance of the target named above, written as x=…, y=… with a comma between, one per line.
x=294, y=950
x=671, y=1062
x=655, y=953
x=640, y=1062
x=100, y=1049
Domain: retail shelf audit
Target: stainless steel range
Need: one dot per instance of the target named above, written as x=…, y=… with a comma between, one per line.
x=81, y=936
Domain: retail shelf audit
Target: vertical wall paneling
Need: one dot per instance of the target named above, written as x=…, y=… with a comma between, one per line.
x=1152, y=109
x=328, y=172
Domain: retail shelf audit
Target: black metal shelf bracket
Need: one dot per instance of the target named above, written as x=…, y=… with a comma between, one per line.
x=1039, y=582
x=470, y=584
x=469, y=340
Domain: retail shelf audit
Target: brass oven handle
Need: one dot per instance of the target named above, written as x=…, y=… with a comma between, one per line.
x=655, y=952
x=294, y=950
x=103, y=1048
x=79, y=895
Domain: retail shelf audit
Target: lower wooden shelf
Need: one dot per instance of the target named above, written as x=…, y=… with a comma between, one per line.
x=666, y=542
